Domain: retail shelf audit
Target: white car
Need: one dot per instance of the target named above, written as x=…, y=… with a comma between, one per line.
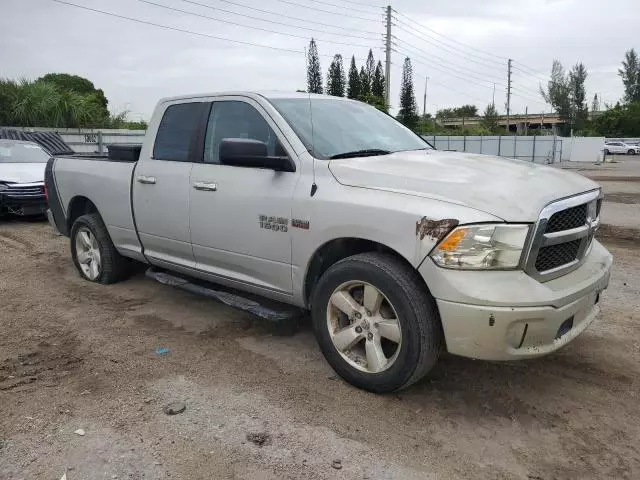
x=22, y=165
x=620, y=148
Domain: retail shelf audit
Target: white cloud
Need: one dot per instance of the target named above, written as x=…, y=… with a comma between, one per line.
x=136, y=64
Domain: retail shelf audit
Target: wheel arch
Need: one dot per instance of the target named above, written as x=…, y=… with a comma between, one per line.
x=338, y=249
x=78, y=206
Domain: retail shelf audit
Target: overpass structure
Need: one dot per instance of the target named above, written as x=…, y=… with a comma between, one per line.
x=517, y=123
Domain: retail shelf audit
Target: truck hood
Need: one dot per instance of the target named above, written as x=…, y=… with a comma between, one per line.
x=22, y=172
x=513, y=190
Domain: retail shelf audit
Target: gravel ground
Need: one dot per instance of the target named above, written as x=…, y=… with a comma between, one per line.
x=260, y=405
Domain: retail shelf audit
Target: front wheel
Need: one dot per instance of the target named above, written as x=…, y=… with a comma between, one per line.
x=606, y=151
x=376, y=323
x=93, y=252
x=631, y=152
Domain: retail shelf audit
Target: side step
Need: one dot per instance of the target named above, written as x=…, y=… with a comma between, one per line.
x=261, y=307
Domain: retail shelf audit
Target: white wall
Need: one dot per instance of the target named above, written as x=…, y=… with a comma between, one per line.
x=539, y=149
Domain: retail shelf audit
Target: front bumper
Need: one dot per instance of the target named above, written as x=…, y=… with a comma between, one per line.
x=506, y=315
x=23, y=206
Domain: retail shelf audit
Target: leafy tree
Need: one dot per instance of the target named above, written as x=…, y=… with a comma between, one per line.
x=314, y=76
x=630, y=74
x=377, y=102
x=619, y=121
x=43, y=104
x=466, y=111
x=336, y=80
x=365, y=86
x=445, y=113
x=377, y=84
x=370, y=67
x=558, y=93
x=490, y=119
x=408, y=113
x=353, y=87
x=74, y=83
x=578, y=96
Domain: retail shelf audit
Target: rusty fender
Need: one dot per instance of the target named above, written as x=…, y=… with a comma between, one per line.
x=435, y=229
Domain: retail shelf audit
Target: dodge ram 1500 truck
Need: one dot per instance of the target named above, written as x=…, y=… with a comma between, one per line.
x=398, y=251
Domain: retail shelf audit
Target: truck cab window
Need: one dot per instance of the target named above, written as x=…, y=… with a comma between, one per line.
x=236, y=119
x=178, y=131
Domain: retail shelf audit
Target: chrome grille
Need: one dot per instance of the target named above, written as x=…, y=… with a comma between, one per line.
x=27, y=190
x=562, y=235
x=555, y=256
x=573, y=217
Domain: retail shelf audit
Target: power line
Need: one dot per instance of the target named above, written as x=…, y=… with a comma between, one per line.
x=453, y=50
x=363, y=4
x=407, y=44
x=281, y=15
x=445, y=68
x=341, y=14
x=461, y=69
x=229, y=22
x=175, y=29
x=451, y=39
x=244, y=15
x=342, y=6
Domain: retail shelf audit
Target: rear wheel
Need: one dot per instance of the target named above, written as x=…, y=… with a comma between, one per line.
x=606, y=151
x=93, y=252
x=631, y=152
x=376, y=323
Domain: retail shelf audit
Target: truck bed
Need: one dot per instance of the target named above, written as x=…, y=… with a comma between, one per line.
x=107, y=184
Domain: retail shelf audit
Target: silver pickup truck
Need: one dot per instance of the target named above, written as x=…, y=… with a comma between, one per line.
x=398, y=251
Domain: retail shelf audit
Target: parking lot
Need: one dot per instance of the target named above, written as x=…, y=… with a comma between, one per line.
x=75, y=355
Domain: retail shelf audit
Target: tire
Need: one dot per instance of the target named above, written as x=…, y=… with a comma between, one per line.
x=631, y=152
x=111, y=266
x=415, y=310
x=606, y=151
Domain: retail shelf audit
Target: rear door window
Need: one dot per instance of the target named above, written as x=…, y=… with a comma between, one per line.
x=178, y=131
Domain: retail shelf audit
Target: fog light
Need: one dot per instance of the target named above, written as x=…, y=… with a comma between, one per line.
x=564, y=328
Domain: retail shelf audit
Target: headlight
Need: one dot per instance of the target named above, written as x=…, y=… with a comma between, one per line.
x=482, y=247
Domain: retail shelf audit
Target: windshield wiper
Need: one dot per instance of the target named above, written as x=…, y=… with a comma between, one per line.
x=361, y=153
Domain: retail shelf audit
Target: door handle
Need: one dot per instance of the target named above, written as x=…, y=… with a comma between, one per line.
x=146, y=180
x=205, y=186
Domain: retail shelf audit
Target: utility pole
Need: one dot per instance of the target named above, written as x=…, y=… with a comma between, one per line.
x=387, y=59
x=424, y=103
x=508, y=92
x=526, y=121
x=493, y=98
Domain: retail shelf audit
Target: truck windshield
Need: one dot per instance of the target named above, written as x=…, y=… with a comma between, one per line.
x=14, y=152
x=344, y=129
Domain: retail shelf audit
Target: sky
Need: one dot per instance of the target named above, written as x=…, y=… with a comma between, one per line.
x=461, y=45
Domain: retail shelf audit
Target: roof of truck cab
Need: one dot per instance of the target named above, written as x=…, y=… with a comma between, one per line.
x=264, y=94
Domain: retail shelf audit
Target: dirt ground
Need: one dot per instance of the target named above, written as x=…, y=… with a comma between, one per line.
x=262, y=403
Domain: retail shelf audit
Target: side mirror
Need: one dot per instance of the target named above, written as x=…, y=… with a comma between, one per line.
x=245, y=152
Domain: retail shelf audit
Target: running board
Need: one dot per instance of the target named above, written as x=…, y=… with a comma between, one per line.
x=261, y=307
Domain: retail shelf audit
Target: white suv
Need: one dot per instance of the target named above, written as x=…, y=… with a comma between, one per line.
x=620, y=148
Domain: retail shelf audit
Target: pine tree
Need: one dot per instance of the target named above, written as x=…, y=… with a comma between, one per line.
x=595, y=104
x=370, y=67
x=377, y=84
x=353, y=87
x=580, y=113
x=630, y=74
x=336, y=80
x=408, y=113
x=365, y=86
x=314, y=76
